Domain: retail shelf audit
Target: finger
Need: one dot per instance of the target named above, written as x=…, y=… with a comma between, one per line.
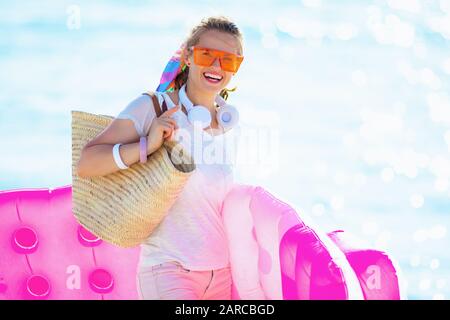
x=170, y=121
x=167, y=125
x=168, y=133
x=171, y=111
x=167, y=130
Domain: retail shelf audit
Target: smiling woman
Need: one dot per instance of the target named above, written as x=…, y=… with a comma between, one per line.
x=186, y=255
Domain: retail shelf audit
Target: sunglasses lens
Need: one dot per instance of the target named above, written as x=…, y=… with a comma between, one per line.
x=230, y=63
x=203, y=57
x=206, y=57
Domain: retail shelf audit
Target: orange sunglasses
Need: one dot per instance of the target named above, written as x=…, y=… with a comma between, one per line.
x=205, y=57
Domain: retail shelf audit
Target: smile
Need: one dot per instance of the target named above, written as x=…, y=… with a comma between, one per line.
x=212, y=77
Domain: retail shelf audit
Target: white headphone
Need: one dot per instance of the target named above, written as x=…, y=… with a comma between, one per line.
x=227, y=116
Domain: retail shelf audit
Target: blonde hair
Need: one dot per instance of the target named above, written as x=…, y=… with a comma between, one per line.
x=218, y=23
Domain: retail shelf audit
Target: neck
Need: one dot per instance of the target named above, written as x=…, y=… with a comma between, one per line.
x=199, y=97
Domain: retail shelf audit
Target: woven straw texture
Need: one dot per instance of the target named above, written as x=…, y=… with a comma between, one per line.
x=124, y=207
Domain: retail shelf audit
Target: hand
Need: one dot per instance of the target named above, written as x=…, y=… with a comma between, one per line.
x=161, y=129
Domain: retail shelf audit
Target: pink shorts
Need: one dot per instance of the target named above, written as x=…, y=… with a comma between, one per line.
x=171, y=281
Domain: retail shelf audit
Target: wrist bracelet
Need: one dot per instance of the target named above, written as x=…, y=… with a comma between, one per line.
x=117, y=158
x=143, y=149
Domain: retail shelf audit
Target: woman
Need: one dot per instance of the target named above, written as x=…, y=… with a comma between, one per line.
x=186, y=257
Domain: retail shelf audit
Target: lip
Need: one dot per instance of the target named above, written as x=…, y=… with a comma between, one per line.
x=214, y=73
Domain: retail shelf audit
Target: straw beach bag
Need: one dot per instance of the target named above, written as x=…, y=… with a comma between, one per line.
x=124, y=207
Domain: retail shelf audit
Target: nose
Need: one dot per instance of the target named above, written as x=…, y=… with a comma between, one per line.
x=216, y=63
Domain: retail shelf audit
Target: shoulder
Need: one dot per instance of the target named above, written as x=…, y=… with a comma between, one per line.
x=140, y=110
x=143, y=100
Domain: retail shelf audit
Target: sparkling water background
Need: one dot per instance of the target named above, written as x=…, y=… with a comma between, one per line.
x=355, y=94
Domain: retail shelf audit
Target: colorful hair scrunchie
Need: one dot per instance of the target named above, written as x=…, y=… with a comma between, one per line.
x=173, y=68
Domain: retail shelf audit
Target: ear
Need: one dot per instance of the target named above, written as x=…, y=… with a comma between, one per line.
x=185, y=56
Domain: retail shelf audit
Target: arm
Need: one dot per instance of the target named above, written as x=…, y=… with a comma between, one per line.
x=97, y=158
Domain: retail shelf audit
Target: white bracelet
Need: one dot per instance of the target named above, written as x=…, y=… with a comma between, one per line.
x=117, y=158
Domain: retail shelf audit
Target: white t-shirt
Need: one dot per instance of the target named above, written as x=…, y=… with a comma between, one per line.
x=192, y=233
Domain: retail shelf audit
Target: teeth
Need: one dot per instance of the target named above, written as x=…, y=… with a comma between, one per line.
x=214, y=76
